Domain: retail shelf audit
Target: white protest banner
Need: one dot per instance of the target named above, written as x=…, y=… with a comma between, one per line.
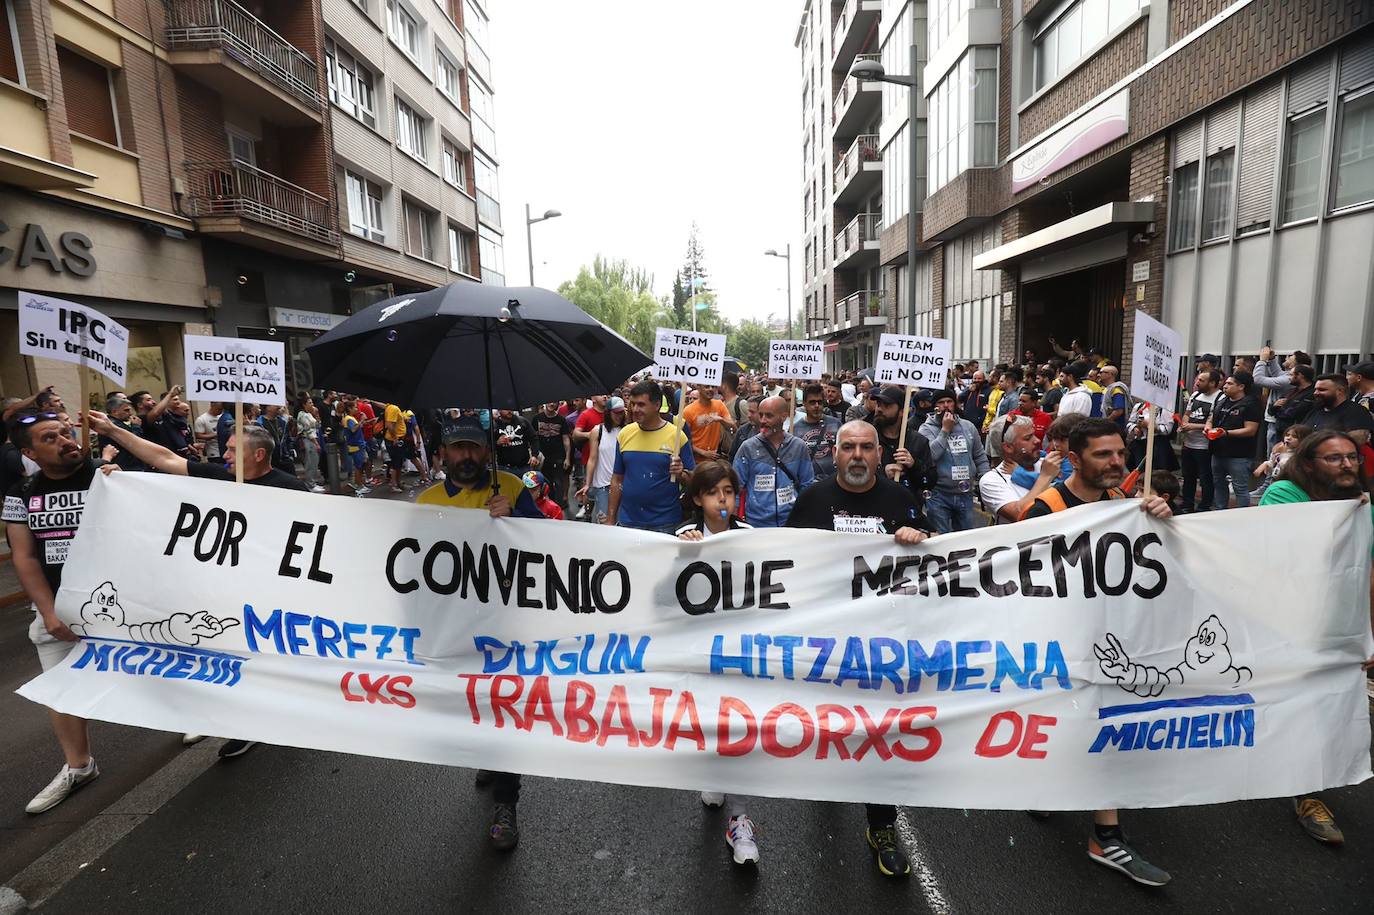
x=1095, y=658
x=235, y=370
x=57, y=329
x=920, y=362
x=796, y=359
x=1154, y=362
x=688, y=355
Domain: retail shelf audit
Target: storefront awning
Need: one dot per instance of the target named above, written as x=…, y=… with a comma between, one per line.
x=1097, y=223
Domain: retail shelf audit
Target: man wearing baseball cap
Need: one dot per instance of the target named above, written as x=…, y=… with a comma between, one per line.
x=468, y=483
x=1360, y=375
x=911, y=466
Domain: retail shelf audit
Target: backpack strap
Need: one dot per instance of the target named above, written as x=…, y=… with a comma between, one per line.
x=1052, y=499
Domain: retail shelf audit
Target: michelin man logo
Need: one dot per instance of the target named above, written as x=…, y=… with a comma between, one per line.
x=102, y=615
x=1206, y=656
x=392, y=309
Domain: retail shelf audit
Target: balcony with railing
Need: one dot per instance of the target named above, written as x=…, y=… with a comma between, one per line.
x=852, y=29
x=860, y=169
x=867, y=307
x=222, y=45
x=856, y=103
x=258, y=208
x=857, y=242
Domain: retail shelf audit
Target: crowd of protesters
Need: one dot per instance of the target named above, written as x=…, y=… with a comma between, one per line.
x=995, y=445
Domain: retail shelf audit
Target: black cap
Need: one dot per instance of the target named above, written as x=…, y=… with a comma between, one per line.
x=1365, y=369
x=946, y=393
x=464, y=429
x=888, y=393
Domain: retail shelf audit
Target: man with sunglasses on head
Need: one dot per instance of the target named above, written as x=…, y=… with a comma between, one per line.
x=41, y=515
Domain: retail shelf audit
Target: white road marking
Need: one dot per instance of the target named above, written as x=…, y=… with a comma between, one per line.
x=936, y=899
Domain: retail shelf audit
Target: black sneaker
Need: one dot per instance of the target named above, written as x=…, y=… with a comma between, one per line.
x=482, y=779
x=234, y=748
x=892, y=860
x=505, y=835
x=1116, y=854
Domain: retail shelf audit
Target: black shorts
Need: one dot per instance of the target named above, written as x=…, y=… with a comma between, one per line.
x=398, y=453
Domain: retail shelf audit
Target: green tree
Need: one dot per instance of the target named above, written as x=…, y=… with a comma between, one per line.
x=619, y=296
x=748, y=342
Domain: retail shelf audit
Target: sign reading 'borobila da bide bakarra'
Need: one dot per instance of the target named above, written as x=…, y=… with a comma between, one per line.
x=57, y=329
x=1094, y=658
x=796, y=359
x=1154, y=361
x=688, y=355
x=236, y=370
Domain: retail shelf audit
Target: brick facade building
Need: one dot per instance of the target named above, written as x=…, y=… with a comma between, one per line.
x=1208, y=161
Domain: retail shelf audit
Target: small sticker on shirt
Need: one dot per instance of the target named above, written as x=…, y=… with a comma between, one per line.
x=786, y=495
x=958, y=445
x=55, y=551
x=859, y=524
x=764, y=482
x=959, y=474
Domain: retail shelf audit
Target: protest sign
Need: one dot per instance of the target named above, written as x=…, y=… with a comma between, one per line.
x=688, y=355
x=235, y=370
x=1154, y=362
x=57, y=329
x=1095, y=658
x=796, y=359
x=919, y=362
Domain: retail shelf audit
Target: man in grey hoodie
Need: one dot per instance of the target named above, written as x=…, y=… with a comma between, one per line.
x=957, y=450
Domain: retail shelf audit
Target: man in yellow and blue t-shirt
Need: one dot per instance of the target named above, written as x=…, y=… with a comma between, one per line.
x=653, y=458
x=468, y=483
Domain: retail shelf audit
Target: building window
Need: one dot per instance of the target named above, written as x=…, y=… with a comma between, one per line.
x=89, y=96
x=1216, y=195
x=1183, y=208
x=1302, y=166
x=364, y=207
x=480, y=105
x=1074, y=30
x=963, y=118
x=11, y=58
x=417, y=222
x=459, y=250
x=242, y=146
x=410, y=131
x=403, y=29
x=1355, y=152
x=446, y=76
x=491, y=256
x=475, y=24
x=361, y=4
x=454, y=173
x=350, y=83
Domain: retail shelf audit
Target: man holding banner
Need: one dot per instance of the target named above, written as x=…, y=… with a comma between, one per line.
x=42, y=514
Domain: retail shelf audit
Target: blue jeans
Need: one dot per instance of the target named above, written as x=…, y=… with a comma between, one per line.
x=1239, y=471
x=661, y=528
x=951, y=511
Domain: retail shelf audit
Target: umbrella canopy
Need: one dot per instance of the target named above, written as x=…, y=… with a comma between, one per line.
x=473, y=345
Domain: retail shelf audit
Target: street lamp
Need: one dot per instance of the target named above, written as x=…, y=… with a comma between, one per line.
x=787, y=257
x=873, y=71
x=529, y=238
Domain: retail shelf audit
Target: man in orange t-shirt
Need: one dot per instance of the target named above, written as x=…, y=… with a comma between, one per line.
x=702, y=419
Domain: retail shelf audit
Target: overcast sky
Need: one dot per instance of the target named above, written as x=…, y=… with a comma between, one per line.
x=637, y=118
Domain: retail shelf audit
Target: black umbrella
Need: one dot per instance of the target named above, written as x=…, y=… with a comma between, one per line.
x=473, y=345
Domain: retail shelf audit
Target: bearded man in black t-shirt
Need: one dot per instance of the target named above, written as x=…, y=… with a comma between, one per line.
x=860, y=500
x=41, y=517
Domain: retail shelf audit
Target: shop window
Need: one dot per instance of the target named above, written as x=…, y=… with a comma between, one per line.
x=89, y=96
x=1216, y=195
x=1302, y=166
x=11, y=58
x=1355, y=152
x=1183, y=208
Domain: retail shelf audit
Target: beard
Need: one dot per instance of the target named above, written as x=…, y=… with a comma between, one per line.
x=1106, y=479
x=465, y=471
x=1345, y=487
x=858, y=474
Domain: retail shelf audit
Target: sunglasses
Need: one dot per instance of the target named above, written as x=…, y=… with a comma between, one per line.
x=32, y=418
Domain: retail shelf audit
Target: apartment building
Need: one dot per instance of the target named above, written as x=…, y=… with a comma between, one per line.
x=253, y=169
x=1210, y=162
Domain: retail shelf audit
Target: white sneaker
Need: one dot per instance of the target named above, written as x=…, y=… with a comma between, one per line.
x=318, y=488
x=712, y=798
x=739, y=835
x=191, y=739
x=67, y=781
